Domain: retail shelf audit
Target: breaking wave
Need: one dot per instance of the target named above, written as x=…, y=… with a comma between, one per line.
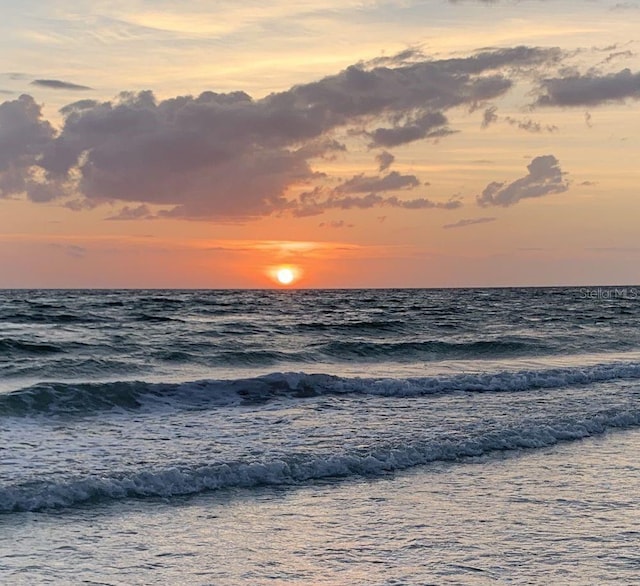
x=295, y=469
x=85, y=398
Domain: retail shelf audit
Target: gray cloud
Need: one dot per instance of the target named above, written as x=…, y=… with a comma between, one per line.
x=590, y=89
x=544, y=178
x=431, y=125
x=384, y=159
x=469, y=222
x=627, y=54
x=56, y=84
x=390, y=182
x=489, y=116
x=23, y=134
x=530, y=125
x=141, y=212
x=318, y=201
x=229, y=156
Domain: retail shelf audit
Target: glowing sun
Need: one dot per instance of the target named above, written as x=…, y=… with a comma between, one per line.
x=285, y=276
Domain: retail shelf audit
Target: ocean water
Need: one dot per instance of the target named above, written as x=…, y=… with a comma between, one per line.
x=320, y=437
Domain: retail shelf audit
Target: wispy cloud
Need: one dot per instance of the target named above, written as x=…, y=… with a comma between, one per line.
x=469, y=222
x=56, y=84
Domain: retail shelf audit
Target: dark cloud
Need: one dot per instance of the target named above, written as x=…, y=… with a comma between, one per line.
x=319, y=201
x=229, y=156
x=431, y=125
x=56, y=84
x=469, y=222
x=390, y=182
x=590, y=90
x=489, y=116
x=422, y=204
x=384, y=159
x=544, y=178
x=530, y=125
x=404, y=57
x=23, y=135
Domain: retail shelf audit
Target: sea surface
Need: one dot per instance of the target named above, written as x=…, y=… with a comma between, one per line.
x=397, y=437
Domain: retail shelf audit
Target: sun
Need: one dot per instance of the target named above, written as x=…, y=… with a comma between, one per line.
x=285, y=276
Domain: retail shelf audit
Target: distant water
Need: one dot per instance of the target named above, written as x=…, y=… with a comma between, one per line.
x=159, y=405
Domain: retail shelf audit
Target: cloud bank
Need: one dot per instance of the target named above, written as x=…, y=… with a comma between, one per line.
x=229, y=156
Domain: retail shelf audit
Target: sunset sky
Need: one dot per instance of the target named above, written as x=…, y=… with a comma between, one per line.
x=433, y=143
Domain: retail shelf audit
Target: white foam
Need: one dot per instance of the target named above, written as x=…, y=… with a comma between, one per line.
x=296, y=469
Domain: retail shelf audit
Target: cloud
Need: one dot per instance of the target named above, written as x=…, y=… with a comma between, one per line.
x=141, y=212
x=319, y=201
x=23, y=134
x=544, y=178
x=335, y=224
x=431, y=125
x=590, y=89
x=56, y=84
x=489, y=116
x=469, y=222
x=390, y=182
x=384, y=159
x=72, y=250
x=627, y=54
x=227, y=156
x=530, y=125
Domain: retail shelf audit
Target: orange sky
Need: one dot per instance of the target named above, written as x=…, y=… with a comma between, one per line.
x=396, y=144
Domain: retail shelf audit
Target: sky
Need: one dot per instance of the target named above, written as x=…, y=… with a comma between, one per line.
x=209, y=144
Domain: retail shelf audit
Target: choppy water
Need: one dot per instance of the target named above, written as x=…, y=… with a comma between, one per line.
x=121, y=405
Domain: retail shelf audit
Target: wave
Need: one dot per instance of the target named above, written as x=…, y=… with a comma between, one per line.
x=353, y=326
x=50, y=318
x=425, y=349
x=292, y=469
x=72, y=367
x=13, y=346
x=150, y=317
x=86, y=398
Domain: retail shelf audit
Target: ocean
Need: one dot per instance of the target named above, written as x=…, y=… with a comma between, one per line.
x=397, y=437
